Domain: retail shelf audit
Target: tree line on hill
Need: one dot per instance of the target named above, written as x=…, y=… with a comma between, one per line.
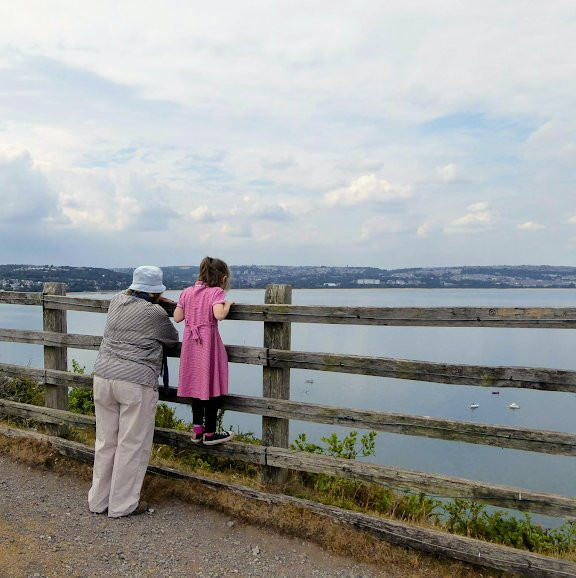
x=32, y=277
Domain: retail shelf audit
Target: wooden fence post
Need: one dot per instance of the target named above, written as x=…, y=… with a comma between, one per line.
x=276, y=382
x=55, y=357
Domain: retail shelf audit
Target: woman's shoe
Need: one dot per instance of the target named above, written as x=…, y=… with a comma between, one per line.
x=217, y=438
x=140, y=508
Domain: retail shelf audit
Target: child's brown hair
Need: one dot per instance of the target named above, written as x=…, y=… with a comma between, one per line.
x=214, y=273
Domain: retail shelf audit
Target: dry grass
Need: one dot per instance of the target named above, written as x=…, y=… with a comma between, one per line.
x=291, y=520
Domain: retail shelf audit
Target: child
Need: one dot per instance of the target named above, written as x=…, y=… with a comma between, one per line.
x=203, y=360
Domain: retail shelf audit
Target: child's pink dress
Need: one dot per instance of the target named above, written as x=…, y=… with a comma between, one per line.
x=203, y=361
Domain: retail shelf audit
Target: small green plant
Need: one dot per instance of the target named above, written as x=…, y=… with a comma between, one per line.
x=334, y=490
x=338, y=448
x=245, y=437
x=166, y=418
x=22, y=389
x=80, y=400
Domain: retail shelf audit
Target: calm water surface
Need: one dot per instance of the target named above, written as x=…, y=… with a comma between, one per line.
x=551, y=348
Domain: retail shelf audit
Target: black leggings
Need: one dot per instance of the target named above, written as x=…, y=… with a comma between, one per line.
x=205, y=412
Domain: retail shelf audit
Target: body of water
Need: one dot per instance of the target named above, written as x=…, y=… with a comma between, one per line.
x=551, y=348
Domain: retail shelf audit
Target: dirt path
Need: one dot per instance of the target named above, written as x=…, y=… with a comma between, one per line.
x=46, y=530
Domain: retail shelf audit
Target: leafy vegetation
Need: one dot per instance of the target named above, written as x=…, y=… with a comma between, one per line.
x=22, y=389
x=458, y=516
x=473, y=520
x=80, y=400
x=355, y=494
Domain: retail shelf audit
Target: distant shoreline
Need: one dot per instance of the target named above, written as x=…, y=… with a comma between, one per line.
x=93, y=279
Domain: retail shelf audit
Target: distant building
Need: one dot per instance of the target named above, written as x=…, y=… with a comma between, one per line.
x=368, y=282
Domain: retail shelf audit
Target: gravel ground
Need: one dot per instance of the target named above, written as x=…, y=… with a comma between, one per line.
x=46, y=531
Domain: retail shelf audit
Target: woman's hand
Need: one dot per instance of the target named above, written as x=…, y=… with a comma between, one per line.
x=168, y=305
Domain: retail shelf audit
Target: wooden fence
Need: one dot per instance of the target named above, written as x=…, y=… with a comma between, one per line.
x=277, y=358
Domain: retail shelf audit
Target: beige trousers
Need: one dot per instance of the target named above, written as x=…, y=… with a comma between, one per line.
x=125, y=414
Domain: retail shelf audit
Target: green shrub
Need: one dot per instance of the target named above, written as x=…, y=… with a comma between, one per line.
x=339, y=448
x=166, y=418
x=469, y=518
x=22, y=389
x=354, y=494
x=80, y=400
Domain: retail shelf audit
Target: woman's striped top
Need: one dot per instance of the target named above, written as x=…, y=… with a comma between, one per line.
x=131, y=349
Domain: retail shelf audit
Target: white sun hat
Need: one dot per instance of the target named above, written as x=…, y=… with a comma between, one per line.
x=148, y=279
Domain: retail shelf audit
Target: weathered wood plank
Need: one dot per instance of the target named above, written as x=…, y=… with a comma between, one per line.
x=551, y=442
x=236, y=353
x=66, y=447
x=46, y=415
x=558, y=443
x=247, y=354
x=421, y=539
x=535, y=317
x=431, y=484
x=232, y=450
x=55, y=356
x=68, y=379
x=64, y=302
x=20, y=298
x=484, y=376
x=276, y=381
x=50, y=376
x=520, y=317
x=548, y=442
x=51, y=338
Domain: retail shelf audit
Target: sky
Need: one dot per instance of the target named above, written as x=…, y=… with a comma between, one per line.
x=377, y=133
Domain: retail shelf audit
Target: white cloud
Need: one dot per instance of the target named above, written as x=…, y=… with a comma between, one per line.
x=424, y=230
x=572, y=220
x=367, y=189
x=236, y=229
x=116, y=201
x=554, y=140
x=478, y=218
x=202, y=214
x=447, y=173
x=530, y=226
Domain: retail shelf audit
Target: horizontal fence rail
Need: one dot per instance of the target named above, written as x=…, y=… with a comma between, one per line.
x=426, y=371
x=539, y=441
x=560, y=318
x=512, y=317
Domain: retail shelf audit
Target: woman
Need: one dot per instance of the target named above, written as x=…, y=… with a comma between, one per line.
x=126, y=392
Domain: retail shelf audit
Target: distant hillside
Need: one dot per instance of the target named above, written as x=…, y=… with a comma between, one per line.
x=31, y=277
